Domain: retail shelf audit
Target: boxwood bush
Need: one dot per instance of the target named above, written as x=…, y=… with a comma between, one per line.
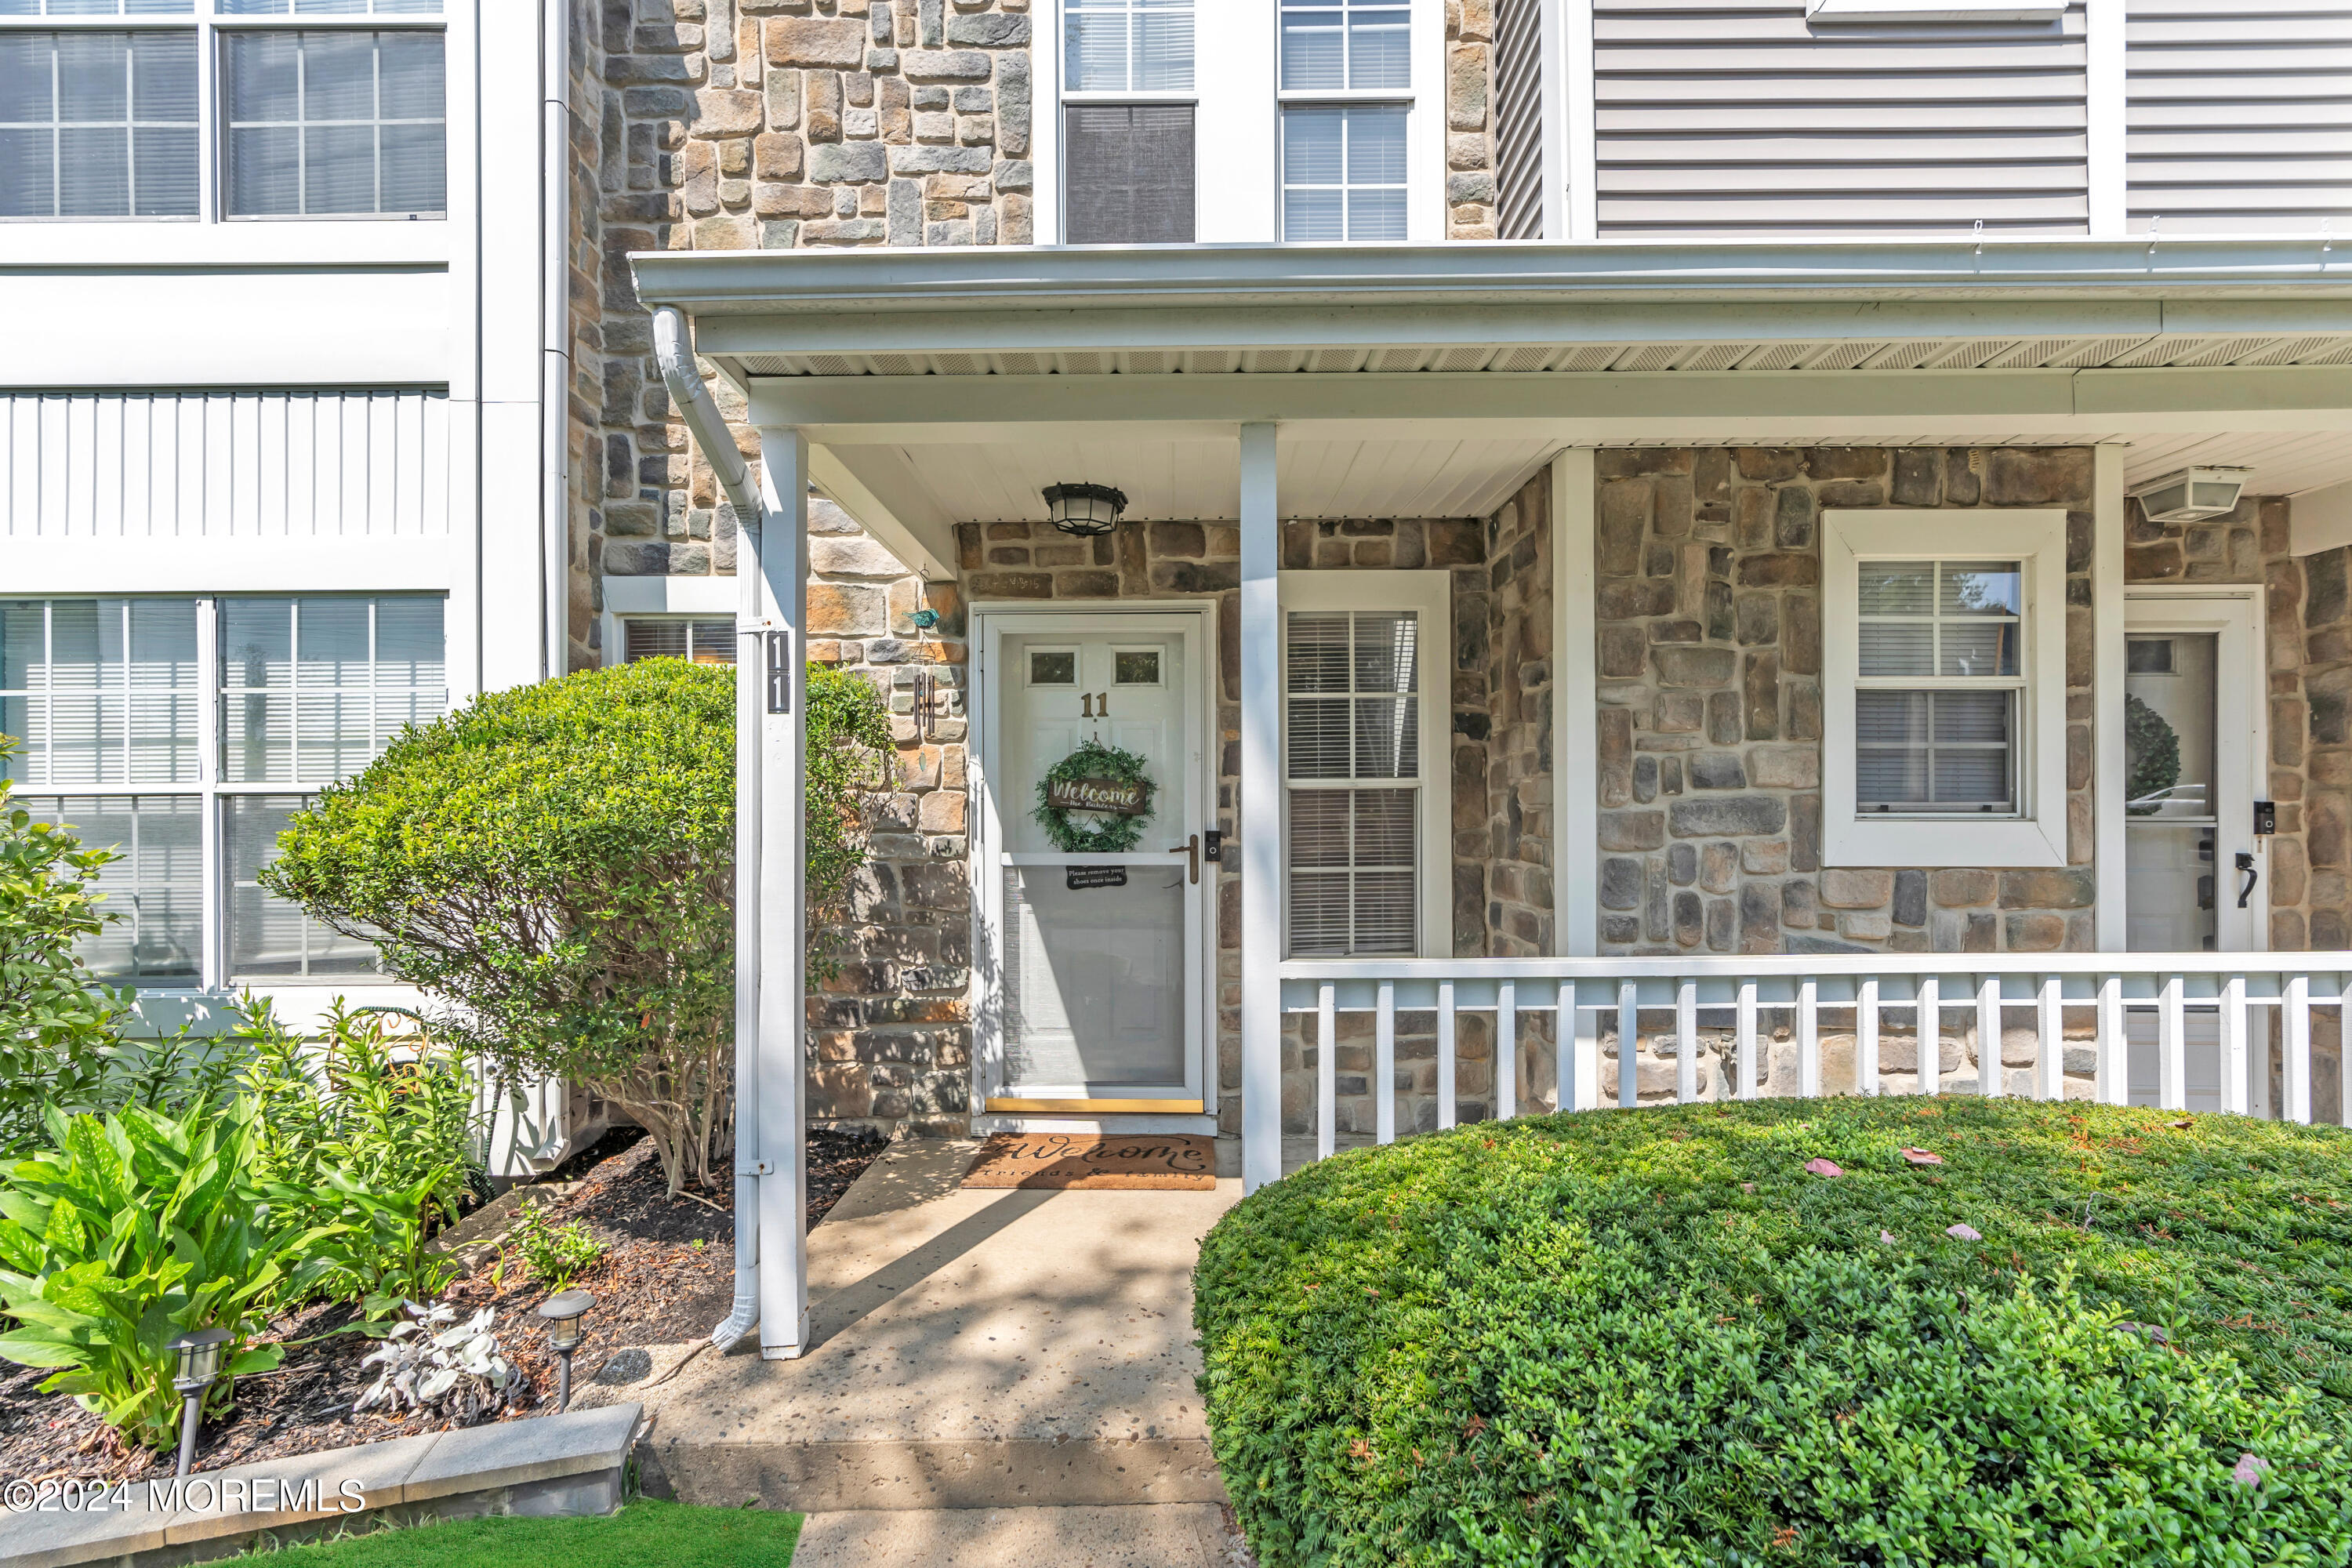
x=2088, y=1335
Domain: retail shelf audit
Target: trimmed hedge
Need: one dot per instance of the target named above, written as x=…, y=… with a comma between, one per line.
x=1655, y=1337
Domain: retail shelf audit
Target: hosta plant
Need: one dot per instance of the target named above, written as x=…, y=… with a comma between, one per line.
x=432, y=1361
x=132, y=1231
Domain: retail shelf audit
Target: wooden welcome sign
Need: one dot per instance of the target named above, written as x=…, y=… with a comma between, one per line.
x=1115, y=796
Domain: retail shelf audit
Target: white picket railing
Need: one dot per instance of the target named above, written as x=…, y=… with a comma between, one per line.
x=2233, y=989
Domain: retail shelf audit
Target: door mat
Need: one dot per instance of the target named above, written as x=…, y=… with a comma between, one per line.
x=1172, y=1162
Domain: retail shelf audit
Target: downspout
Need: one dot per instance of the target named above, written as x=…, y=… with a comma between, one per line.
x=555, y=333
x=693, y=401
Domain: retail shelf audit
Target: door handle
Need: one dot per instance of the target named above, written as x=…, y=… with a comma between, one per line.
x=2254, y=878
x=1191, y=848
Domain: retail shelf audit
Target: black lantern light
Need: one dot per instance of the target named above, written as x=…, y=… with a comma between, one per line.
x=1084, y=511
x=195, y=1362
x=563, y=1314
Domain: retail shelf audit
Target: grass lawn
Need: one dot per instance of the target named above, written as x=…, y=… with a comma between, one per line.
x=648, y=1531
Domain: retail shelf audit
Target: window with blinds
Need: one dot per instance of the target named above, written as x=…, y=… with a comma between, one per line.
x=1352, y=767
x=343, y=123
x=1346, y=44
x=1127, y=173
x=1940, y=687
x=1127, y=46
x=673, y=637
x=107, y=700
x=98, y=125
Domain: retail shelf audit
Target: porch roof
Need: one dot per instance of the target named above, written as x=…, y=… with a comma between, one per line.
x=940, y=386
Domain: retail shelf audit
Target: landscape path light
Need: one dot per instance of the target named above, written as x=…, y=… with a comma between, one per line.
x=563, y=1314
x=195, y=1362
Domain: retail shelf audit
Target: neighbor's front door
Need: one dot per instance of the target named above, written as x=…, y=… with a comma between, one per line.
x=1093, y=964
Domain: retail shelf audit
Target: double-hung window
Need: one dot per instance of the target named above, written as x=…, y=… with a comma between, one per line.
x=1127, y=117
x=1945, y=698
x=1345, y=75
x=184, y=732
x=1366, y=764
x=222, y=109
x=702, y=640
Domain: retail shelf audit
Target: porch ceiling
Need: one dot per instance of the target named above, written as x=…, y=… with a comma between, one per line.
x=945, y=387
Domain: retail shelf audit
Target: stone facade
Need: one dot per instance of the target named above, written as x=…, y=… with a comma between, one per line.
x=1470, y=194
x=1709, y=632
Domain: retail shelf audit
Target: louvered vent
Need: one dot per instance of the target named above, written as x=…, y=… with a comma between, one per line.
x=1353, y=765
x=1518, y=119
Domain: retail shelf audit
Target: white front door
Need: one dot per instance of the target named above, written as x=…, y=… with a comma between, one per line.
x=1094, y=967
x=2195, y=705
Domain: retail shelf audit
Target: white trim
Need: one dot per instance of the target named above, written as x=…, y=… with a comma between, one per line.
x=2038, y=837
x=1579, y=133
x=2321, y=519
x=1236, y=169
x=1425, y=126
x=2109, y=528
x=670, y=595
x=1576, y=710
x=1430, y=595
x=1045, y=202
x=122, y=563
x=2106, y=163
x=1551, y=124
x=2237, y=615
x=1260, y=802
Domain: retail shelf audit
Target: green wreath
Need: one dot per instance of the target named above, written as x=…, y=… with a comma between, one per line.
x=1112, y=834
x=2154, y=754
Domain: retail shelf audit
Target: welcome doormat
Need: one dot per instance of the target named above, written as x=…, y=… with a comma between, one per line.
x=1168, y=1162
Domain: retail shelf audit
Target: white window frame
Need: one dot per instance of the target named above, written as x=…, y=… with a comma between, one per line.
x=1422, y=99
x=211, y=29
x=2036, y=834
x=1430, y=595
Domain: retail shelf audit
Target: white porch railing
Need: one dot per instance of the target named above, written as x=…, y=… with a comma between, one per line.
x=1935, y=998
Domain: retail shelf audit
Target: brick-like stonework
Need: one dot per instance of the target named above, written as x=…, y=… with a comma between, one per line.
x=1470, y=118
x=1709, y=632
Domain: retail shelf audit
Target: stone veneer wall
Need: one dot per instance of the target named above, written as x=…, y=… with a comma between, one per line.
x=1710, y=728
x=1470, y=118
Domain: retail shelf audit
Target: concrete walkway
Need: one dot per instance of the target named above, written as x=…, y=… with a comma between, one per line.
x=1024, y=1356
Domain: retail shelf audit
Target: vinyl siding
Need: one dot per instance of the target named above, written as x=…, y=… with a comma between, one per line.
x=1519, y=119
x=1719, y=118
x=249, y=464
x=2239, y=115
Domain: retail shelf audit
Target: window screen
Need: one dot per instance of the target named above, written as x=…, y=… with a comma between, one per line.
x=704, y=642
x=334, y=123
x=1939, y=695
x=1128, y=46
x=1343, y=172
x=1129, y=173
x=98, y=125
x=1353, y=765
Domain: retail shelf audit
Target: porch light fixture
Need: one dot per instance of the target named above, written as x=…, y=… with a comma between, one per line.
x=1084, y=511
x=563, y=1314
x=195, y=1362
x=2191, y=495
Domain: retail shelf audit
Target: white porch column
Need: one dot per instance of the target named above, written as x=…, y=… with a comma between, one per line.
x=2107, y=748
x=772, y=565
x=1576, y=711
x=1259, y=822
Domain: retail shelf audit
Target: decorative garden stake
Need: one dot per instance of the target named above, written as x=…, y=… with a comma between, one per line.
x=196, y=1361
x=563, y=1314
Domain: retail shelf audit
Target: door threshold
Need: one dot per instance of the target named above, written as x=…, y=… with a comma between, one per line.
x=1014, y=1107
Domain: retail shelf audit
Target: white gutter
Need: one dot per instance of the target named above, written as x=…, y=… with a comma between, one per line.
x=555, y=333
x=674, y=353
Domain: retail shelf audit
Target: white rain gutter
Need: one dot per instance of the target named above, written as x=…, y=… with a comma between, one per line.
x=674, y=352
x=555, y=333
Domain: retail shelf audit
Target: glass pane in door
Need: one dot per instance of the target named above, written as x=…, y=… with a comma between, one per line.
x=1094, y=979
x=2171, y=884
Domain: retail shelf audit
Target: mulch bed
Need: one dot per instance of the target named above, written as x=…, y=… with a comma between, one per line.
x=668, y=1275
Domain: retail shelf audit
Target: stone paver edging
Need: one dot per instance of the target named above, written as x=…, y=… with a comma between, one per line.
x=575, y=1463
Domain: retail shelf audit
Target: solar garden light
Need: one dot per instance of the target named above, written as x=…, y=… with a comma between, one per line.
x=563, y=1314
x=196, y=1362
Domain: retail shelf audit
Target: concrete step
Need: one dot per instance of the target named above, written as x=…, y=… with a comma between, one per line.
x=1167, y=1535
x=973, y=1350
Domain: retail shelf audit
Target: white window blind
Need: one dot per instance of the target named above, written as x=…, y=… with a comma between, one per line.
x=1343, y=172
x=98, y=125
x=673, y=637
x=1345, y=45
x=108, y=700
x=1127, y=46
x=1352, y=766
x=1940, y=686
x=335, y=122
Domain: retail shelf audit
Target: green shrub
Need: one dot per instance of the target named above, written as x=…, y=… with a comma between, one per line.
x=134, y=1229
x=555, y=864
x=553, y=1254
x=1653, y=1337
x=58, y=1024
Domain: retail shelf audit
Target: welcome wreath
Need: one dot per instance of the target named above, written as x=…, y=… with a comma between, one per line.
x=2153, y=751
x=1108, y=834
